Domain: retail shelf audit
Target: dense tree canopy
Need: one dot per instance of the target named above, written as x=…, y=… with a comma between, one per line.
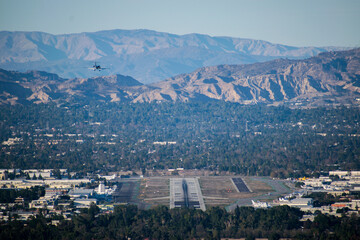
x=28, y=194
x=253, y=140
x=162, y=223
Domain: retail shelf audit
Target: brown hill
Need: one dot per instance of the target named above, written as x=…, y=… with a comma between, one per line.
x=328, y=79
x=42, y=87
x=332, y=77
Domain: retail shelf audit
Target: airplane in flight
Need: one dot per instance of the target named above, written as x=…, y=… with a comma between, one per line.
x=97, y=67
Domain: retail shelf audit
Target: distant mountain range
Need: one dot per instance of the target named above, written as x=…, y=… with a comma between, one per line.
x=329, y=78
x=148, y=56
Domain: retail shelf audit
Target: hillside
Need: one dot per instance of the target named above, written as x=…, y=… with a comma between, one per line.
x=146, y=55
x=330, y=78
x=42, y=87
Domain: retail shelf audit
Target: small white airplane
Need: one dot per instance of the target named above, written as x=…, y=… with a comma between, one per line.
x=97, y=67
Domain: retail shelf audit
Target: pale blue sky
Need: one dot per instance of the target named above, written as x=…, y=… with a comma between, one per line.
x=291, y=22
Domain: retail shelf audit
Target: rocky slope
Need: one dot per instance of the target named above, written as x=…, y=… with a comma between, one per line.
x=328, y=79
x=148, y=56
x=332, y=77
x=42, y=87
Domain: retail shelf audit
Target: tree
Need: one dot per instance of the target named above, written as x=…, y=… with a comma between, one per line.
x=93, y=210
x=274, y=236
x=56, y=173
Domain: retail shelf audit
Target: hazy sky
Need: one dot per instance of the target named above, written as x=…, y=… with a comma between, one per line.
x=291, y=22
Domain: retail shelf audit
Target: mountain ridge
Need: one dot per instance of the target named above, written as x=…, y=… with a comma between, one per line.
x=42, y=87
x=330, y=78
x=147, y=55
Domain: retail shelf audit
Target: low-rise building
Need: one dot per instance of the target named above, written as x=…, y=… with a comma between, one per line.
x=355, y=173
x=298, y=202
x=84, y=202
x=81, y=193
x=339, y=173
x=50, y=192
x=340, y=183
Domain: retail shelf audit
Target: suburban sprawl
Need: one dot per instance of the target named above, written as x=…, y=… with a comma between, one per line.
x=59, y=194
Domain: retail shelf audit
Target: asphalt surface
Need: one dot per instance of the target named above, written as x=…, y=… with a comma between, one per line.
x=239, y=183
x=124, y=192
x=186, y=192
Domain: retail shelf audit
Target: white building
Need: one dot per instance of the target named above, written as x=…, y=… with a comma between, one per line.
x=338, y=173
x=298, y=202
x=340, y=184
x=80, y=192
x=107, y=177
x=355, y=173
x=101, y=188
x=84, y=202
x=314, y=182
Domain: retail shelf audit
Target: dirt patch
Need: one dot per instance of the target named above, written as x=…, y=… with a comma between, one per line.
x=257, y=186
x=155, y=191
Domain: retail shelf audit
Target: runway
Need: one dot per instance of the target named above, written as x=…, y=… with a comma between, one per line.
x=240, y=185
x=186, y=192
